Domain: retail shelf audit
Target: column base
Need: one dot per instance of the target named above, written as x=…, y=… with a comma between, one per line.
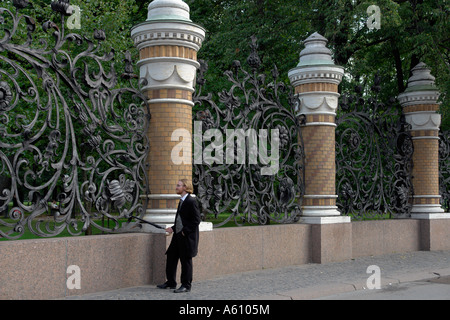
x=320, y=211
x=148, y=228
x=322, y=215
x=204, y=226
x=430, y=216
x=161, y=216
x=325, y=220
x=162, y=208
x=166, y=217
x=140, y=227
x=428, y=212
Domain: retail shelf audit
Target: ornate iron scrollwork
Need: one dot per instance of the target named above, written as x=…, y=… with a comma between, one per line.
x=444, y=169
x=254, y=104
x=373, y=157
x=70, y=136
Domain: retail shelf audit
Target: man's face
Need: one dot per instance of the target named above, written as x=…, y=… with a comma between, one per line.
x=180, y=187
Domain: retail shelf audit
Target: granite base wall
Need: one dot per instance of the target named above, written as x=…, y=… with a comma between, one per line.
x=37, y=269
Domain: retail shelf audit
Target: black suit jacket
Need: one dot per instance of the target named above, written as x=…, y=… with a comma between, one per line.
x=190, y=217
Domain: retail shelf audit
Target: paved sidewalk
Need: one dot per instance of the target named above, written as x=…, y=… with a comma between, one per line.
x=298, y=282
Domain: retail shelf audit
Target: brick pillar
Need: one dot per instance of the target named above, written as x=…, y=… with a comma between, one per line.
x=168, y=43
x=420, y=107
x=316, y=79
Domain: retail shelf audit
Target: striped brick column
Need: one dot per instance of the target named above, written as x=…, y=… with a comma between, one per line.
x=316, y=79
x=420, y=107
x=168, y=43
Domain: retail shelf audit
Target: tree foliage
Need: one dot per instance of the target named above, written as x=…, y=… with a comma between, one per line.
x=411, y=31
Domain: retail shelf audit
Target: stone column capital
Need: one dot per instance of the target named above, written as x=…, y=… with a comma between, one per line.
x=168, y=42
x=419, y=101
x=421, y=88
x=316, y=64
x=316, y=78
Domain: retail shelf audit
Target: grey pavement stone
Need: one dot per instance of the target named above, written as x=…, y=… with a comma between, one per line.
x=297, y=282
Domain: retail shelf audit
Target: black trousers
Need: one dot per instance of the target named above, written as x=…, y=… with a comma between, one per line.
x=177, y=251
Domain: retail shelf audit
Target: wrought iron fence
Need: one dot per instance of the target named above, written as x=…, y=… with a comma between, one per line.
x=74, y=146
x=444, y=169
x=373, y=157
x=257, y=105
x=73, y=143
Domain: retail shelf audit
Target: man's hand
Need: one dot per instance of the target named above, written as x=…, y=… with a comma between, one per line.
x=169, y=230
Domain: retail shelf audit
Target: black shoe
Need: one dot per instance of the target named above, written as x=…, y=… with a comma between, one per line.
x=165, y=286
x=182, y=289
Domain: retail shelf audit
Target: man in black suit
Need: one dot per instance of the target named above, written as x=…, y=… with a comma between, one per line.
x=184, y=244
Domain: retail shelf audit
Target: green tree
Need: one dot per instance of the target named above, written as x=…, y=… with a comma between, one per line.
x=279, y=25
x=411, y=31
